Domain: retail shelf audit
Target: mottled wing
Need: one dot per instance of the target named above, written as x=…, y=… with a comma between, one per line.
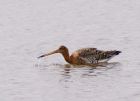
x=92, y=55
x=88, y=55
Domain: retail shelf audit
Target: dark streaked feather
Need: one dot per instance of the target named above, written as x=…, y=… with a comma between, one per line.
x=92, y=55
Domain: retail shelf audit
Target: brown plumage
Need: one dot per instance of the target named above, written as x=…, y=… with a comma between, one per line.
x=84, y=56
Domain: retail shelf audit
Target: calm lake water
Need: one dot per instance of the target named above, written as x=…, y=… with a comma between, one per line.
x=30, y=28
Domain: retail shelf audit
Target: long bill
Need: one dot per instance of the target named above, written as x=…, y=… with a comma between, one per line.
x=53, y=52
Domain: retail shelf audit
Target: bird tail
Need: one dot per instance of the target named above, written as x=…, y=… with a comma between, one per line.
x=116, y=52
x=112, y=53
x=109, y=54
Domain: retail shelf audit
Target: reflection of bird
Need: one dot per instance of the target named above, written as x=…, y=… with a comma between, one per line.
x=84, y=56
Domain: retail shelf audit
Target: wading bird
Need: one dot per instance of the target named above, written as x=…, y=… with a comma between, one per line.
x=84, y=56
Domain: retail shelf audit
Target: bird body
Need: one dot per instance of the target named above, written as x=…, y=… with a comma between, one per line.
x=84, y=56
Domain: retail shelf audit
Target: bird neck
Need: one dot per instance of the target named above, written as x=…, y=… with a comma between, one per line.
x=66, y=56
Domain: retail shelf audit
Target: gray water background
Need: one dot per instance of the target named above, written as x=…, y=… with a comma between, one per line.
x=29, y=28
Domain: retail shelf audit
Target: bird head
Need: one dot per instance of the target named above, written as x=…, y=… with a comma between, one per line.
x=61, y=50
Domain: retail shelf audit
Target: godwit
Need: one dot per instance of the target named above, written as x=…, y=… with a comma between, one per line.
x=84, y=56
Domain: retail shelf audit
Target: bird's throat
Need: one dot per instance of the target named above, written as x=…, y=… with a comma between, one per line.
x=66, y=56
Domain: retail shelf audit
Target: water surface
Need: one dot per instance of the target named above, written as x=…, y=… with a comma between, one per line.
x=30, y=28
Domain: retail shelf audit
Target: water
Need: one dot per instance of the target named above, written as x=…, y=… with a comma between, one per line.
x=30, y=28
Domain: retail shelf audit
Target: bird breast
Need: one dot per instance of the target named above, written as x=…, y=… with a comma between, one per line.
x=74, y=58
